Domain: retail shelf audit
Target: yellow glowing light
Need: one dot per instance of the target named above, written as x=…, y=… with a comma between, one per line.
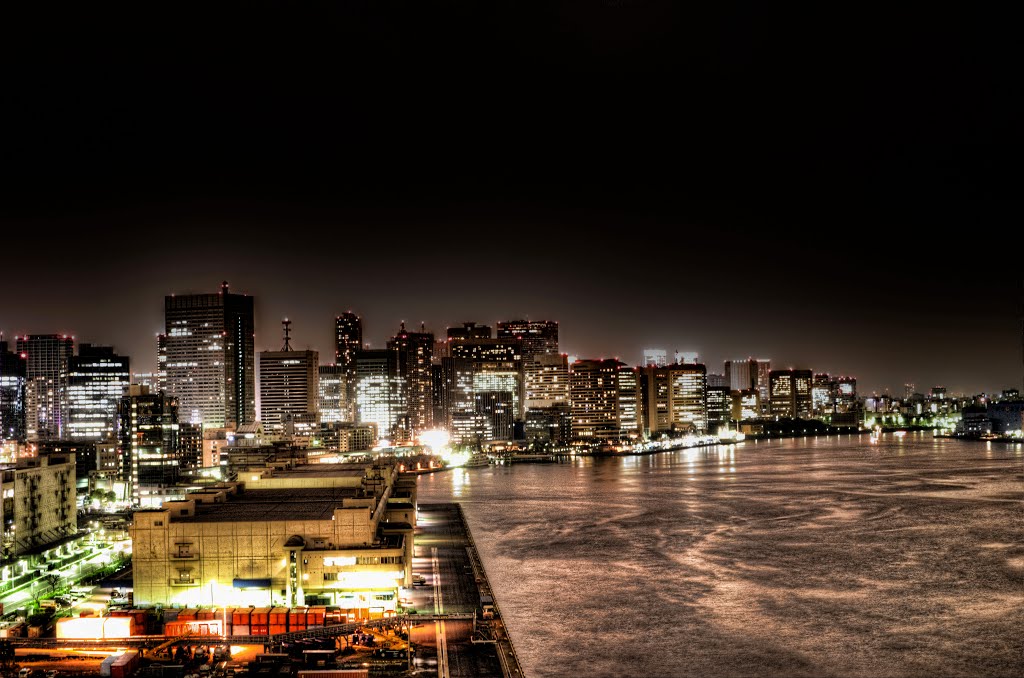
x=435, y=439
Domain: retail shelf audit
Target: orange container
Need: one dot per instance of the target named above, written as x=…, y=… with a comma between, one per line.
x=278, y=628
x=261, y=616
x=297, y=618
x=187, y=615
x=207, y=614
x=241, y=616
x=279, y=616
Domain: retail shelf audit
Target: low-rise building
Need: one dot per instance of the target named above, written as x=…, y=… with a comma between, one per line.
x=324, y=534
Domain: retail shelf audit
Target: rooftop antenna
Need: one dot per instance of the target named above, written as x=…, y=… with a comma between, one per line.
x=287, y=324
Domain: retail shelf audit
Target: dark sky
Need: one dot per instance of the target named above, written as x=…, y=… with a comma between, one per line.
x=833, y=189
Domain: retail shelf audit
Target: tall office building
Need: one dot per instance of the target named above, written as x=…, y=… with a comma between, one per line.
x=604, y=397
x=845, y=394
x=657, y=357
x=497, y=361
x=790, y=393
x=46, y=361
x=412, y=355
x=469, y=331
x=741, y=374
x=13, y=382
x=95, y=382
x=674, y=398
x=149, y=445
x=161, y=362
x=348, y=340
x=719, y=407
x=548, y=384
x=380, y=393
x=822, y=394
x=537, y=337
x=763, y=383
x=211, y=357
x=289, y=384
x=333, y=395
x=717, y=380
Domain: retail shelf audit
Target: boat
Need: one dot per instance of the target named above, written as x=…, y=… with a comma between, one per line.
x=477, y=460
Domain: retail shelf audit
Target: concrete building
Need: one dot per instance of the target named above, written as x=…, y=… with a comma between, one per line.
x=211, y=368
x=46, y=358
x=324, y=534
x=13, y=386
x=539, y=340
x=38, y=509
x=604, y=399
x=547, y=385
x=93, y=385
x=674, y=398
x=289, y=384
x=790, y=393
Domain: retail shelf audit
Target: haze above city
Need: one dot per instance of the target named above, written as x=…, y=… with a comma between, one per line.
x=649, y=176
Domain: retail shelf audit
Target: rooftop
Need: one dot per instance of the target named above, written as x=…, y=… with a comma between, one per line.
x=316, y=503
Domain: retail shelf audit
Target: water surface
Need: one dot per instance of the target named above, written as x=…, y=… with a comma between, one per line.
x=803, y=557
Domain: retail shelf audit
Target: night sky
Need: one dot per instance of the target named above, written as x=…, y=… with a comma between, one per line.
x=837, y=191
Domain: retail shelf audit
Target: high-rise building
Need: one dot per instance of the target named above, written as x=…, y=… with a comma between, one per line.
x=763, y=383
x=719, y=407
x=740, y=375
x=348, y=340
x=717, y=380
x=657, y=357
x=13, y=382
x=674, y=398
x=845, y=394
x=822, y=394
x=412, y=354
x=161, y=362
x=148, y=435
x=289, y=384
x=96, y=380
x=333, y=395
x=46, y=358
x=380, y=393
x=746, y=404
x=537, y=339
x=604, y=397
x=790, y=393
x=547, y=384
x=469, y=331
x=211, y=357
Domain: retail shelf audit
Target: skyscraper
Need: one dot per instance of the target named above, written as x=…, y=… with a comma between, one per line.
x=380, y=393
x=537, y=339
x=333, y=395
x=95, y=382
x=791, y=393
x=47, y=360
x=719, y=407
x=211, y=357
x=348, y=340
x=674, y=398
x=412, y=354
x=604, y=396
x=12, y=394
x=289, y=384
x=149, y=447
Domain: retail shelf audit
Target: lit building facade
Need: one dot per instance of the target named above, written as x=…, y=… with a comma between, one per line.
x=38, y=505
x=46, y=358
x=604, y=400
x=325, y=534
x=674, y=398
x=412, y=357
x=211, y=357
x=538, y=339
x=380, y=393
x=790, y=393
x=658, y=357
x=348, y=341
x=719, y=407
x=333, y=395
x=13, y=384
x=95, y=381
x=289, y=385
x=149, y=444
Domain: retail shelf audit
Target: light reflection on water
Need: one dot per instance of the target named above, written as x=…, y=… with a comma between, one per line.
x=811, y=556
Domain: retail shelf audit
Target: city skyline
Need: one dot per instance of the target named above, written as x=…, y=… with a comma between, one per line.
x=319, y=336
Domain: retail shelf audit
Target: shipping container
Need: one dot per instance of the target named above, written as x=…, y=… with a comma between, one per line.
x=241, y=615
x=315, y=616
x=95, y=627
x=171, y=614
x=260, y=615
x=199, y=627
x=125, y=665
x=210, y=613
x=297, y=618
x=187, y=614
x=240, y=630
x=334, y=673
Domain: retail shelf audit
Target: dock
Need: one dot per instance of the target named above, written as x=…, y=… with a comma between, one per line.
x=458, y=641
